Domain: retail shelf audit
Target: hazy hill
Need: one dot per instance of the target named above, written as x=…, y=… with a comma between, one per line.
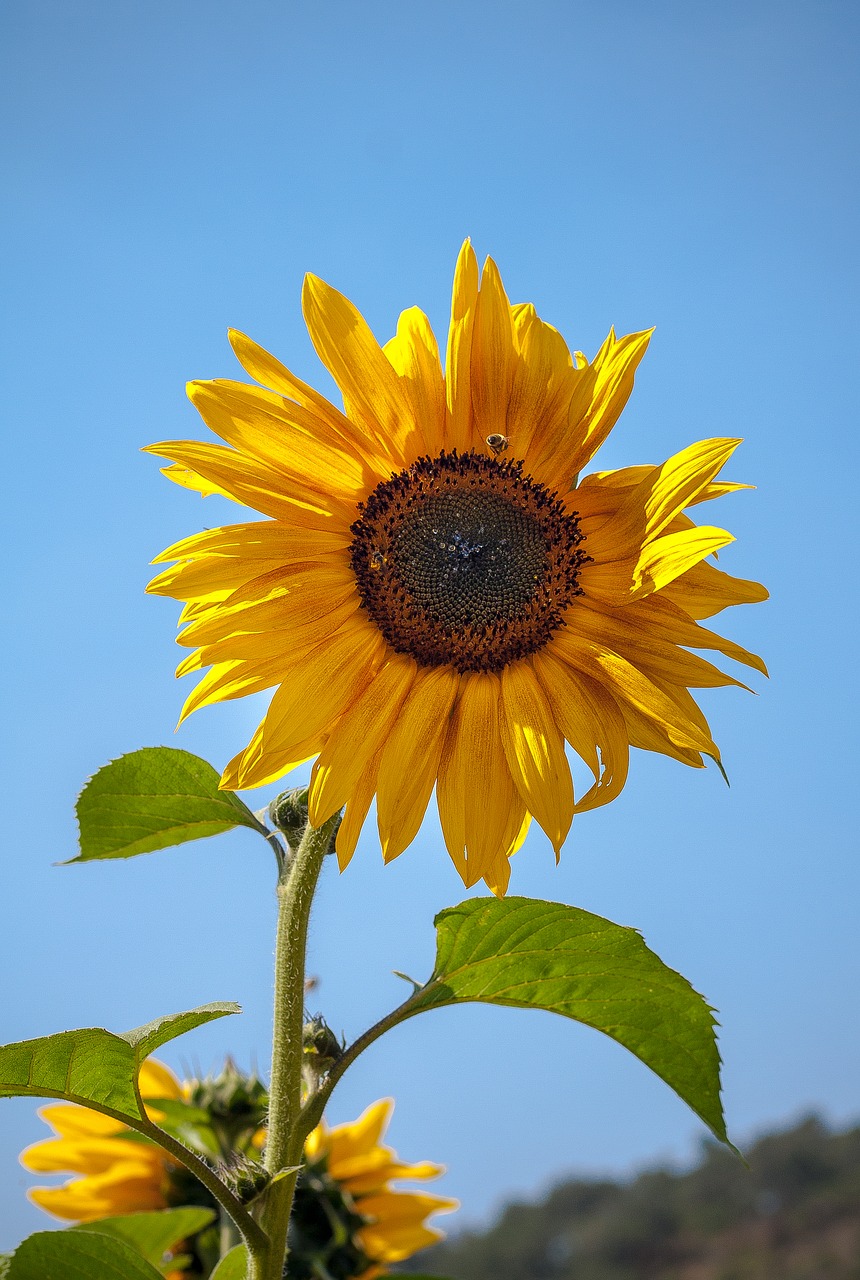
x=793, y=1215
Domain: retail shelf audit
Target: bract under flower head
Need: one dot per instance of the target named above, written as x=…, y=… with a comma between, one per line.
x=435, y=597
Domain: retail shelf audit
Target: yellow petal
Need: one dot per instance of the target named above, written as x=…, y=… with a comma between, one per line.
x=156, y=1080
x=534, y=748
x=497, y=877
x=657, y=565
x=227, y=681
x=648, y=508
x=414, y=354
x=90, y=1156
x=474, y=790
x=458, y=390
x=666, y=622
x=199, y=579
x=266, y=369
x=410, y=758
x=370, y=387
x=622, y=632
x=128, y=1188
x=254, y=483
x=541, y=389
x=591, y=721
x=68, y=1120
x=597, y=404
x=188, y=479
x=629, y=687
x=356, y=738
x=492, y=357
x=346, y=1141
x=315, y=694
x=705, y=590
x=267, y=540
x=293, y=441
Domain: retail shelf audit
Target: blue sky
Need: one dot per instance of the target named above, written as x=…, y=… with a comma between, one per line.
x=174, y=170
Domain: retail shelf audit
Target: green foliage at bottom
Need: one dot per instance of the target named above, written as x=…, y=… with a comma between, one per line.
x=233, y=1265
x=153, y=1233
x=85, y=1255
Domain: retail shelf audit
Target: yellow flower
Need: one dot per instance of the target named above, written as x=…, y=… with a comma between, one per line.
x=116, y=1175
x=434, y=596
x=396, y=1221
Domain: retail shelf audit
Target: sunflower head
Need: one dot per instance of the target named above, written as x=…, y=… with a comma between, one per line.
x=437, y=596
x=349, y=1172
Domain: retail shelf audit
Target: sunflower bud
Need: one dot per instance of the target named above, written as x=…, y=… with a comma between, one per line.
x=320, y=1049
x=237, y=1105
x=246, y=1177
x=289, y=813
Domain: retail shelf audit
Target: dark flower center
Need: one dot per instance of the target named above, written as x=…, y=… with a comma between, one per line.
x=463, y=560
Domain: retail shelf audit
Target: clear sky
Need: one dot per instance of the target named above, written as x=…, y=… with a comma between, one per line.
x=174, y=169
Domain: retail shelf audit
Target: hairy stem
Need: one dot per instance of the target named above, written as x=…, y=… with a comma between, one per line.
x=284, y=1143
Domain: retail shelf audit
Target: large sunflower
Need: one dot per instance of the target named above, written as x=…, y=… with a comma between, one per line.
x=435, y=596
x=348, y=1221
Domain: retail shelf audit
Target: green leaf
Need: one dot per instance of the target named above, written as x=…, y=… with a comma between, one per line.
x=233, y=1265
x=95, y=1067
x=544, y=955
x=153, y=798
x=153, y=1233
x=69, y=1255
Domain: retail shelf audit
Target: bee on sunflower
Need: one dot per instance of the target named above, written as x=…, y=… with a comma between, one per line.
x=435, y=595
x=347, y=1222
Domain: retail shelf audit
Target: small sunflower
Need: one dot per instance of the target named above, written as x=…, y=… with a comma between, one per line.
x=434, y=595
x=390, y=1225
x=347, y=1220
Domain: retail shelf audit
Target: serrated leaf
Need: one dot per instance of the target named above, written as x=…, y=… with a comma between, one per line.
x=85, y=1255
x=92, y=1066
x=233, y=1266
x=544, y=955
x=152, y=798
x=152, y=1233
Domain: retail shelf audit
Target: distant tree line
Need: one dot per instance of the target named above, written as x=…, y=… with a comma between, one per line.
x=794, y=1214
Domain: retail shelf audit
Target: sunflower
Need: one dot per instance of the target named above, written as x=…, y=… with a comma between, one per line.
x=391, y=1225
x=435, y=596
x=347, y=1220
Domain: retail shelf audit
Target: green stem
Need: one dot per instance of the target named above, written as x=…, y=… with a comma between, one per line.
x=284, y=1143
